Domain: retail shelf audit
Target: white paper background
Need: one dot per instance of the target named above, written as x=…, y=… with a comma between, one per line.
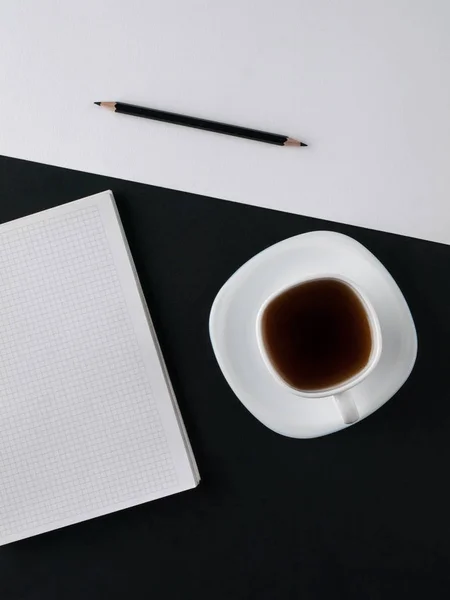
x=365, y=83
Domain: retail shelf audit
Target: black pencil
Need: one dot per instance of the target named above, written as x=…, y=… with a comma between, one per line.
x=169, y=117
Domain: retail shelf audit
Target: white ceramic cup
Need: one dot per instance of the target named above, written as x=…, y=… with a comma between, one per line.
x=344, y=400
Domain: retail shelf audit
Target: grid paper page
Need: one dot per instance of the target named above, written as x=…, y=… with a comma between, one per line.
x=81, y=432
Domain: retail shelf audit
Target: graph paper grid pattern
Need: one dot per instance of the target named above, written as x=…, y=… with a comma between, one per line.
x=80, y=431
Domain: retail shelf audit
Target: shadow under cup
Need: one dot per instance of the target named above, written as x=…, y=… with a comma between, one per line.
x=319, y=338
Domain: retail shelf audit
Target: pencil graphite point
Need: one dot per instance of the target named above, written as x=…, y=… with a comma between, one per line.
x=97, y=103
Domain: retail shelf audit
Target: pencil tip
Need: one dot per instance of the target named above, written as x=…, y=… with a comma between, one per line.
x=97, y=103
x=291, y=142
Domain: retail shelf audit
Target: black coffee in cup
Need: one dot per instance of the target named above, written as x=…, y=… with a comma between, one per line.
x=317, y=334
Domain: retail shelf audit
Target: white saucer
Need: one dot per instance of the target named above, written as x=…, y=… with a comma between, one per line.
x=232, y=329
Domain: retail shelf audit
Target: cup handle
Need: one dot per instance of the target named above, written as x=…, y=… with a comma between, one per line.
x=347, y=407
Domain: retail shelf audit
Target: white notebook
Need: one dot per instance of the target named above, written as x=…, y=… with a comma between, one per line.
x=88, y=420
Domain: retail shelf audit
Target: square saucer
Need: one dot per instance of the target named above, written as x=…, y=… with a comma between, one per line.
x=232, y=328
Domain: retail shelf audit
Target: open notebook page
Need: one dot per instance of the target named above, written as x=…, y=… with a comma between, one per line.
x=88, y=421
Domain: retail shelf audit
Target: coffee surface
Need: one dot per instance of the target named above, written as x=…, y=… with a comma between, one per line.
x=317, y=334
